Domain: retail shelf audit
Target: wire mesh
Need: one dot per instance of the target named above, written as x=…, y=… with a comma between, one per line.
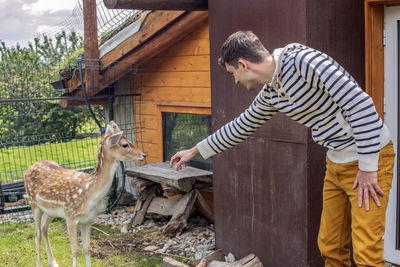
x=34, y=126
x=108, y=21
x=74, y=23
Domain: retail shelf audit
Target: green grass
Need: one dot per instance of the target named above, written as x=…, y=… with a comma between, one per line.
x=78, y=153
x=17, y=247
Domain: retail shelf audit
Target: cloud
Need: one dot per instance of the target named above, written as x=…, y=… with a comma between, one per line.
x=21, y=20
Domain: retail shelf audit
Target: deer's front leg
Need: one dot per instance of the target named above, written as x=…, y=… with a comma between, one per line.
x=85, y=231
x=71, y=226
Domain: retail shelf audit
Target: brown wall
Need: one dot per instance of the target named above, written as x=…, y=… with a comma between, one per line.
x=176, y=80
x=267, y=190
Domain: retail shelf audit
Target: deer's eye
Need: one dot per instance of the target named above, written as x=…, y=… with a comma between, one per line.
x=125, y=145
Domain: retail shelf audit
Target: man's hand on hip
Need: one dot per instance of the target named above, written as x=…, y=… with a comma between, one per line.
x=367, y=182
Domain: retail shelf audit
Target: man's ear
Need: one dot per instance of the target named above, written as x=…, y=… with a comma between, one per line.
x=243, y=63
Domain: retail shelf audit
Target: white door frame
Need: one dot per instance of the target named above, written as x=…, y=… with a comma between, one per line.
x=391, y=18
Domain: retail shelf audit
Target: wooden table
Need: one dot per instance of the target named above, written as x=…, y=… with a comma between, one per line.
x=170, y=193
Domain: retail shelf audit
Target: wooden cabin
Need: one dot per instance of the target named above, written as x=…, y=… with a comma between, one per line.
x=163, y=70
x=268, y=190
x=171, y=73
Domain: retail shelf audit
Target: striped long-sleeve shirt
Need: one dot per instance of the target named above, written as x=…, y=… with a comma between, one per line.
x=314, y=90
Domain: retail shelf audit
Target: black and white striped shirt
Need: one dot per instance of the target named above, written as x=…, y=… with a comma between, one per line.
x=314, y=90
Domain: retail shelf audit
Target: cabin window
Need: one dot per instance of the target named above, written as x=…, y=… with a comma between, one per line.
x=183, y=131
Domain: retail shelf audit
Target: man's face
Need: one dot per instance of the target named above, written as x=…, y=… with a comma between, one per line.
x=242, y=75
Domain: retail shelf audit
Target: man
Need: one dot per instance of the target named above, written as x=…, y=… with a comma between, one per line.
x=314, y=90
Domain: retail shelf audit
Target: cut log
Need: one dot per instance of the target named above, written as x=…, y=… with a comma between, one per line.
x=250, y=260
x=139, y=183
x=148, y=190
x=175, y=226
x=143, y=204
x=203, y=208
x=162, y=206
x=157, y=4
x=217, y=264
x=204, y=179
x=202, y=185
x=217, y=255
x=169, y=262
x=163, y=174
x=182, y=211
x=202, y=263
x=170, y=191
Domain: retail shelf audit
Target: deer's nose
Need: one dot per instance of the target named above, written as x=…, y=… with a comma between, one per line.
x=144, y=155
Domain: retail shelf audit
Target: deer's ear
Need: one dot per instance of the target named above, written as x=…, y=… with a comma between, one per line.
x=109, y=130
x=114, y=139
x=115, y=127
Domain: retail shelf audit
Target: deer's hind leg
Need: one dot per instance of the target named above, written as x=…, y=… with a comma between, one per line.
x=46, y=220
x=37, y=216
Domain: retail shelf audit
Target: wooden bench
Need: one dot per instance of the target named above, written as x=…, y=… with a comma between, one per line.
x=160, y=188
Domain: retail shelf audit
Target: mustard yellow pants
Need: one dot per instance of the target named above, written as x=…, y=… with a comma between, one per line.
x=342, y=220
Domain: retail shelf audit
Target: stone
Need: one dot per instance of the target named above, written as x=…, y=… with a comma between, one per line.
x=230, y=257
x=124, y=229
x=198, y=255
x=150, y=248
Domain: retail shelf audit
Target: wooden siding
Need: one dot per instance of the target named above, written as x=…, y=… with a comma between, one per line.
x=177, y=80
x=268, y=190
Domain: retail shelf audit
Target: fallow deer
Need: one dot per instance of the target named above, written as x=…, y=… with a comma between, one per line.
x=75, y=196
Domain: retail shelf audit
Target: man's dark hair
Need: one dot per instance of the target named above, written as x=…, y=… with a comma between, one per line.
x=241, y=44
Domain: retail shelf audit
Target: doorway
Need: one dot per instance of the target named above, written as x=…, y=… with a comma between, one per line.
x=391, y=116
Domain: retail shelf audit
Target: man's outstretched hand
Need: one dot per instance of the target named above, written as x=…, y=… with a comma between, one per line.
x=367, y=183
x=183, y=156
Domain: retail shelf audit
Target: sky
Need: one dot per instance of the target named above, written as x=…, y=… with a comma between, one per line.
x=22, y=20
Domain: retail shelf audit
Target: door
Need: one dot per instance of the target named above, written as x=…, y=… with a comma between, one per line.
x=391, y=111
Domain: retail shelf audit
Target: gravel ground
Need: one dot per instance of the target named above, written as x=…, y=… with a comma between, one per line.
x=196, y=240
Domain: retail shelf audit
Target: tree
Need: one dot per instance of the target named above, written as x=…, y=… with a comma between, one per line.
x=64, y=48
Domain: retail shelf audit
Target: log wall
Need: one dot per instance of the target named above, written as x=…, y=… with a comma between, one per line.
x=177, y=80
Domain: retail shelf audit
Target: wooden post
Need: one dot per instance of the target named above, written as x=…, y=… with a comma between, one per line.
x=182, y=211
x=142, y=204
x=90, y=45
x=157, y=4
